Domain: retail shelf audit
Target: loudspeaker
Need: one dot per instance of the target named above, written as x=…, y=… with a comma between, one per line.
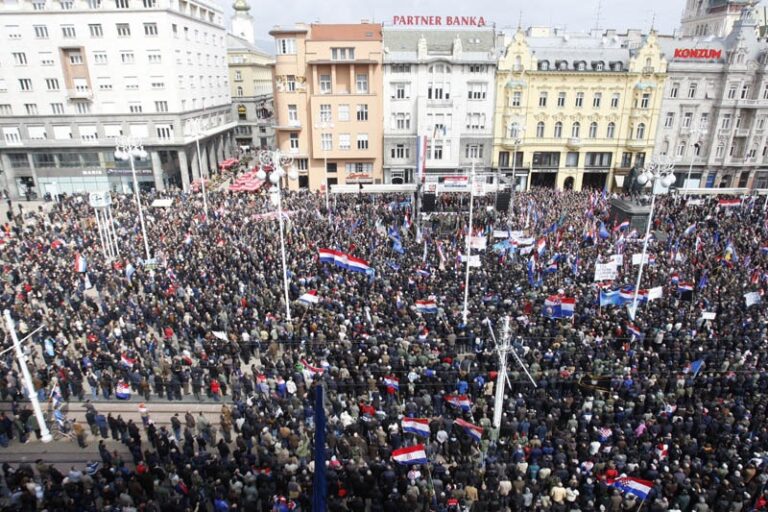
x=502, y=201
x=428, y=203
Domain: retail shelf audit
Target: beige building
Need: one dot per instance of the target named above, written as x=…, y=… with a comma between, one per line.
x=250, y=77
x=328, y=102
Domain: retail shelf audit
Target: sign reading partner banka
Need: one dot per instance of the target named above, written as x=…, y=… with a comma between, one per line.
x=698, y=53
x=439, y=21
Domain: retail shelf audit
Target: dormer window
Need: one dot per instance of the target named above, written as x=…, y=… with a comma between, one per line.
x=562, y=65
x=544, y=65
x=580, y=65
x=598, y=66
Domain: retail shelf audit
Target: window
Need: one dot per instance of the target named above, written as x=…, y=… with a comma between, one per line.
x=765, y=92
x=476, y=68
x=57, y=108
x=596, y=100
x=127, y=57
x=94, y=4
x=561, y=96
x=121, y=4
x=41, y=32
x=157, y=82
x=37, y=132
x=20, y=58
x=18, y=160
x=38, y=6
x=134, y=108
x=284, y=46
x=720, y=151
x=343, y=112
x=626, y=160
x=293, y=114
x=401, y=68
x=549, y=160
x=704, y=121
x=238, y=76
x=104, y=83
x=344, y=141
x=362, y=141
x=290, y=83
x=293, y=143
x=732, y=91
x=150, y=29
x=68, y=31
x=149, y=4
x=302, y=164
x=542, y=99
x=161, y=106
x=692, y=89
x=558, y=130
x=88, y=132
x=154, y=57
x=400, y=91
x=725, y=122
x=475, y=121
x=239, y=91
x=437, y=152
x=96, y=30
x=11, y=135
x=52, y=84
x=325, y=84
x=477, y=91
x=31, y=109
x=575, y=130
x=342, y=54
x=673, y=89
x=640, y=132
x=164, y=131
x=473, y=151
x=402, y=121
x=5, y=110
x=598, y=160
x=401, y=151
x=362, y=112
x=593, y=130
x=680, y=151
x=326, y=116
x=669, y=120
x=82, y=107
x=75, y=58
x=438, y=91
x=99, y=57
x=540, y=126
x=362, y=84
x=25, y=84
x=326, y=141
x=615, y=100
x=611, y=131
x=517, y=98
x=645, y=101
x=579, y=99
x=123, y=30
x=687, y=119
x=572, y=159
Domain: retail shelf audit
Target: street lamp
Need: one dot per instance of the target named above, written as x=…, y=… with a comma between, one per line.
x=660, y=171
x=469, y=239
x=325, y=125
x=516, y=132
x=197, y=123
x=127, y=148
x=695, y=135
x=279, y=160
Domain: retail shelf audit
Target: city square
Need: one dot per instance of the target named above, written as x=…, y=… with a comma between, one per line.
x=432, y=262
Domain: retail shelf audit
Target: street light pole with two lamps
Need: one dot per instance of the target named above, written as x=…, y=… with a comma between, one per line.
x=197, y=124
x=127, y=148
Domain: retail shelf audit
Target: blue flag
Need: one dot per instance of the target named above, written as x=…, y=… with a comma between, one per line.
x=319, y=483
x=610, y=298
x=603, y=233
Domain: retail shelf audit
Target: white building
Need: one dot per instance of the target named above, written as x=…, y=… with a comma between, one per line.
x=714, y=112
x=76, y=74
x=711, y=17
x=439, y=84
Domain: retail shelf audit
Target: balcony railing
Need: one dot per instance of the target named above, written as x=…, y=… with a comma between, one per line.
x=80, y=93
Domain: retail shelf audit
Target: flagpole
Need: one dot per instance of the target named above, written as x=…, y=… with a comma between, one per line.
x=468, y=235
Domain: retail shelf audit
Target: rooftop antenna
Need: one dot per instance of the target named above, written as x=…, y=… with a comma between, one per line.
x=520, y=20
x=598, y=13
x=653, y=20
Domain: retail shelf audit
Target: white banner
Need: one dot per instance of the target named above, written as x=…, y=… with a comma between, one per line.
x=707, y=315
x=478, y=242
x=752, y=298
x=655, y=293
x=474, y=261
x=498, y=233
x=638, y=257
x=605, y=271
x=526, y=250
x=617, y=259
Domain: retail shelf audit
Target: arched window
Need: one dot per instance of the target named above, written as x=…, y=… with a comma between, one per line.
x=514, y=131
x=239, y=91
x=611, y=131
x=640, y=133
x=576, y=130
x=540, y=130
x=558, y=130
x=593, y=131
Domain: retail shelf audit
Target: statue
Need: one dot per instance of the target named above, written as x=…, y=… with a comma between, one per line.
x=631, y=186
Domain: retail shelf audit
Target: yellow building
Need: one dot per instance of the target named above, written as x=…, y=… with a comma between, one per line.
x=328, y=102
x=576, y=110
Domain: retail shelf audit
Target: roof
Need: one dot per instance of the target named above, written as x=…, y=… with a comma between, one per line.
x=239, y=44
x=346, y=32
x=401, y=45
x=578, y=47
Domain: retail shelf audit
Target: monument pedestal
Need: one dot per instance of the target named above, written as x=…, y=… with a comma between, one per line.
x=637, y=214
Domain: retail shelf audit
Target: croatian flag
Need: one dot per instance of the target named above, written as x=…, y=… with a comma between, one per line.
x=418, y=426
x=675, y=278
x=474, y=431
x=312, y=370
x=729, y=203
x=123, y=391
x=567, y=307
x=392, y=383
x=127, y=361
x=634, y=331
x=636, y=486
x=356, y=264
x=621, y=227
x=461, y=401
x=541, y=246
x=426, y=306
x=411, y=455
x=690, y=230
x=327, y=255
x=310, y=297
x=685, y=287
x=81, y=265
x=605, y=433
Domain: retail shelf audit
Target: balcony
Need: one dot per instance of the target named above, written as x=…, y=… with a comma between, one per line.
x=80, y=93
x=440, y=103
x=289, y=126
x=636, y=143
x=574, y=142
x=741, y=132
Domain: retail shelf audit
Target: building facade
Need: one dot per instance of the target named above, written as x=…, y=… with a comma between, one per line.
x=715, y=18
x=76, y=74
x=250, y=73
x=438, y=83
x=328, y=102
x=576, y=111
x=714, y=114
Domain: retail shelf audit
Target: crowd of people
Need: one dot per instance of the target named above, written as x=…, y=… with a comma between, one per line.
x=675, y=397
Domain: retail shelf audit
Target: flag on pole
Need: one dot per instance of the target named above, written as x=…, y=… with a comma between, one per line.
x=418, y=426
x=129, y=271
x=126, y=361
x=694, y=367
x=392, y=383
x=474, y=431
x=123, y=391
x=690, y=230
x=311, y=370
x=461, y=401
x=426, y=306
x=319, y=483
x=81, y=264
x=310, y=298
x=631, y=485
x=621, y=227
x=410, y=455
